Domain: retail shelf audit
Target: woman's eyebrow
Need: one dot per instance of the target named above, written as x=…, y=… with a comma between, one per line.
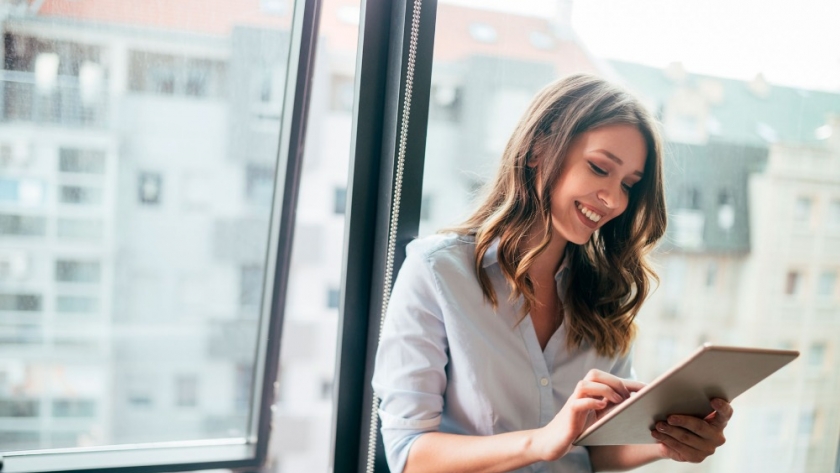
x=616, y=159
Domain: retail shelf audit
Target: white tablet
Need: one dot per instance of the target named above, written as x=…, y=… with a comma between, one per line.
x=710, y=372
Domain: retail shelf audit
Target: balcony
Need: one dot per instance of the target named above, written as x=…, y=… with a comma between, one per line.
x=65, y=101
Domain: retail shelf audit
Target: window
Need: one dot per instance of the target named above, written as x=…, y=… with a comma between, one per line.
x=711, y=274
x=816, y=355
x=164, y=74
x=24, y=192
x=83, y=161
x=250, y=286
x=167, y=91
x=259, y=184
x=340, y=200
x=76, y=304
x=332, y=298
x=20, y=302
x=802, y=209
x=827, y=283
x=186, y=391
x=80, y=195
x=149, y=186
x=793, y=282
x=834, y=212
x=73, y=408
x=78, y=271
x=21, y=225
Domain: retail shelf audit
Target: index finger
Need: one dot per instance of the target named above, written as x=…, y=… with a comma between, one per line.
x=622, y=386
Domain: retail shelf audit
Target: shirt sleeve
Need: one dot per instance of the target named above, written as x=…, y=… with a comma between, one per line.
x=409, y=375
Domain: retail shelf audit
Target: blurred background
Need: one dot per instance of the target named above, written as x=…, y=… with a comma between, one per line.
x=138, y=145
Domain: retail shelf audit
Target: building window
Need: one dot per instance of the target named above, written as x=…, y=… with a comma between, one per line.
x=186, y=387
x=20, y=302
x=726, y=210
x=259, y=184
x=806, y=423
x=14, y=265
x=834, y=212
x=25, y=192
x=149, y=188
x=250, y=286
x=79, y=195
x=793, y=281
x=445, y=104
x=176, y=75
x=711, y=274
x=802, y=209
x=332, y=298
x=73, y=408
x=20, y=225
x=78, y=271
x=816, y=355
x=340, y=200
x=484, y=33
x=826, y=283
x=426, y=207
x=76, y=304
x=541, y=40
x=83, y=161
x=19, y=408
x=690, y=198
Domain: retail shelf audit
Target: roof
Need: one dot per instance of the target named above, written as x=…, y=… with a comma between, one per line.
x=788, y=114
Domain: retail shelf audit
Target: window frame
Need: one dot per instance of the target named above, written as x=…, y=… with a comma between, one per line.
x=252, y=450
x=396, y=41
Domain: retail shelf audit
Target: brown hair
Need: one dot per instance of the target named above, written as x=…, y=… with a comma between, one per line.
x=609, y=277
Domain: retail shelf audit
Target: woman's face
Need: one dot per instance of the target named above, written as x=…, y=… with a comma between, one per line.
x=601, y=167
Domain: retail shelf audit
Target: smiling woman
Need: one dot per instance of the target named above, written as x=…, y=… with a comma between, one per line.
x=506, y=337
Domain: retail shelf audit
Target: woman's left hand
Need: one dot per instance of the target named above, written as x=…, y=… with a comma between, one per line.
x=689, y=439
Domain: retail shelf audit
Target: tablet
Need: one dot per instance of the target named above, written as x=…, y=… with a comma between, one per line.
x=710, y=372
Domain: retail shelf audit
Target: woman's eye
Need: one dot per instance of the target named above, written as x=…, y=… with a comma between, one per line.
x=597, y=170
x=627, y=187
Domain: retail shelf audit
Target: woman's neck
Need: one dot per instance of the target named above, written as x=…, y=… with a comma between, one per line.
x=547, y=263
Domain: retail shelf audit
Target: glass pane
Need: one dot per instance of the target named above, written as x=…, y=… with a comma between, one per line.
x=307, y=362
x=138, y=148
x=752, y=176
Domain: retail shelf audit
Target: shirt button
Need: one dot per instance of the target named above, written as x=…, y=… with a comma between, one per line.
x=544, y=381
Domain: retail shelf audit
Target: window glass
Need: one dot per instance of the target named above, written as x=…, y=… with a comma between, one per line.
x=751, y=161
x=137, y=169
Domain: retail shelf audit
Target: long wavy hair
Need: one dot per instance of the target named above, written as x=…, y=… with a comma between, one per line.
x=609, y=275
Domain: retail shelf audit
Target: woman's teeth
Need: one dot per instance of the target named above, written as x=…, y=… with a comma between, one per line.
x=589, y=214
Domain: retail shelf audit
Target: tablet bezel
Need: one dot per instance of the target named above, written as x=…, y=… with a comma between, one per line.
x=722, y=384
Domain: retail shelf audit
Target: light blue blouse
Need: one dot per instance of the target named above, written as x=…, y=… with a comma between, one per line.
x=448, y=362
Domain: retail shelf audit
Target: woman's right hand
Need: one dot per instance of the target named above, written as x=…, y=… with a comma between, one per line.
x=593, y=396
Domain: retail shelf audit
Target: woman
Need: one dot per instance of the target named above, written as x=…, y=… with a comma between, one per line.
x=505, y=338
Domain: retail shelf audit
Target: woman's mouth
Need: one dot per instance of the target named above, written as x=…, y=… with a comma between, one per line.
x=589, y=217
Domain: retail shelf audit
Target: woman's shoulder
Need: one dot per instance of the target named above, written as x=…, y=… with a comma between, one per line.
x=444, y=248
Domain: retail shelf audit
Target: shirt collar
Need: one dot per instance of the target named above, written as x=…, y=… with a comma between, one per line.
x=491, y=257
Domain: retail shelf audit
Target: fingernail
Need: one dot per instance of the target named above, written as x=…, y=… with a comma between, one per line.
x=661, y=427
x=674, y=420
x=717, y=404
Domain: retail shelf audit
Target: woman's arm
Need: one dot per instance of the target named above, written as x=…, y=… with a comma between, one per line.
x=442, y=452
